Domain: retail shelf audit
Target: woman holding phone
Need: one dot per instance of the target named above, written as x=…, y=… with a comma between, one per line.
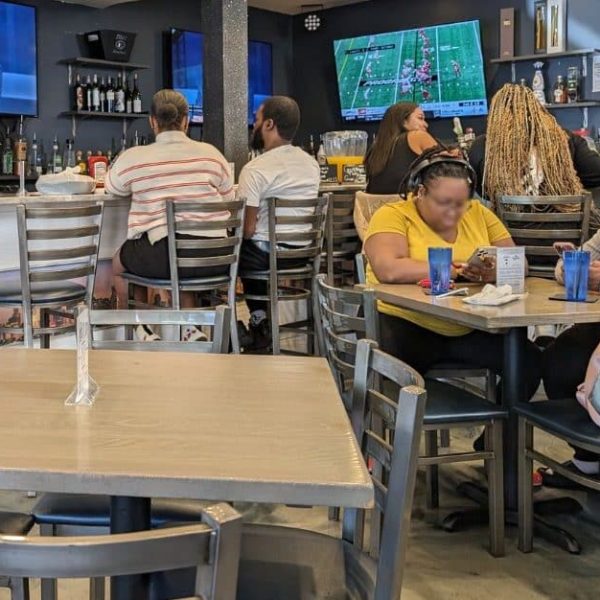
x=439, y=212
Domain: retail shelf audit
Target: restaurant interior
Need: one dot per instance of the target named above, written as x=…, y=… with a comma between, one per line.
x=388, y=209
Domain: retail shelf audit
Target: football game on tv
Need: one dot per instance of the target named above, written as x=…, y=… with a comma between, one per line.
x=440, y=68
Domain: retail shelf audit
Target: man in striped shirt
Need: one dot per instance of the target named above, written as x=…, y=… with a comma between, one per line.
x=173, y=168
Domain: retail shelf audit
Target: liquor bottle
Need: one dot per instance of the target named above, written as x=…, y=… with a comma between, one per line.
x=123, y=143
x=119, y=96
x=56, y=162
x=89, y=103
x=136, y=139
x=321, y=156
x=78, y=94
x=311, y=146
x=110, y=96
x=41, y=160
x=69, y=155
x=128, y=98
x=136, y=96
x=7, y=155
x=559, y=94
x=20, y=149
x=95, y=94
x=103, y=95
x=573, y=84
x=81, y=162
x=32, y=159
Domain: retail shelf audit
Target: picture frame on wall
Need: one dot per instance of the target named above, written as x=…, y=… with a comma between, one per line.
x=540, y=36
x=556, y=20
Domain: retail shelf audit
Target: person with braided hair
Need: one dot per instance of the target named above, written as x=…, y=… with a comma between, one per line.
x=438, y=212
x=525, y=151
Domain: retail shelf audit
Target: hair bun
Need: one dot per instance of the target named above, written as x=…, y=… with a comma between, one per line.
x=168, y=112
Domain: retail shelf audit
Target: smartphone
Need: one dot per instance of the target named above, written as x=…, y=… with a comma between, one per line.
x=483, y=258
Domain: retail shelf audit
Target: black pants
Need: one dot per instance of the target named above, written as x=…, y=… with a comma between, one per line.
x=252, y=258
x=423, y=349
x=564, y=366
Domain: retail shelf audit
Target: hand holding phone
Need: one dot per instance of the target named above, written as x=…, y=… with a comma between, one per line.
x=561, y=247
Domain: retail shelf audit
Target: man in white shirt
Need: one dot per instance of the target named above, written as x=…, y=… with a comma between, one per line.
x=282, y=171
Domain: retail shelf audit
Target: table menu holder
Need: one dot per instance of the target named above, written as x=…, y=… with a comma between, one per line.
x=510, y=268
x=86, y=389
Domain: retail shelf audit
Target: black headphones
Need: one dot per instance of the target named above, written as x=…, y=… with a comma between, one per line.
x=416, y=175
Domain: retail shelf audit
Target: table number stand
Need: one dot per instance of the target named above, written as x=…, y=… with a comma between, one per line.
x=86, y=389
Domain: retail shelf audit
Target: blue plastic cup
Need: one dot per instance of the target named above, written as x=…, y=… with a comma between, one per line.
x=440, y=265
x=576, y=264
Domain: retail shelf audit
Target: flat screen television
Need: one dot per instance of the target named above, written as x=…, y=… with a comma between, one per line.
x=185, y=71
x=18, y=60
x=440, y=68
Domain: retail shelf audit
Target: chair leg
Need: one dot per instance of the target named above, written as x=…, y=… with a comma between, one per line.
x=233, y=334
x=44, y=322
x=491, y=387
x=444, y=438
x=311, y=328
x=97, y=588
x=431, y=472
x=19, y=588
x=525, y=486
x=274, y=310
x=495, y=472
x=334, y=513
x=48, y=586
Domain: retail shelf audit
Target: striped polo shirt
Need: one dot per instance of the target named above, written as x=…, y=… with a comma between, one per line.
x=173, y=168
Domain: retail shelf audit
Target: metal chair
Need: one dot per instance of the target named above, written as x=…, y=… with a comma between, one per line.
x=212, y=548
x=216, y=251
x=304, y=244
x=217, y=320
x=281, y=562
x=341, y=239
x=448, y=406
x=366, y=205
x=58, y=247
x=567, y=421
x=536, y=222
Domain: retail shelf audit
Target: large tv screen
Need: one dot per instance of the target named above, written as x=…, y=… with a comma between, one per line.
x=18, y=60
x=187, y=62
x=440, y=68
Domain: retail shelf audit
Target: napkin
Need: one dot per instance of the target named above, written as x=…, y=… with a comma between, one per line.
x=491, y=295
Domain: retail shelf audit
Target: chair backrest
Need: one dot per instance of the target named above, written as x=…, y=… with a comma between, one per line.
x=227, y=218
x=58, y=242
x=212, y=547
x=388, y=427
x=218, y=320
x=536, y=222
x=346, y=317
x=361, y=267
x=340, y=233
x=366, y=205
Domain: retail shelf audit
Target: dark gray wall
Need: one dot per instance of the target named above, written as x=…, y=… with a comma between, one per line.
x=315, y=84
x=59, y=24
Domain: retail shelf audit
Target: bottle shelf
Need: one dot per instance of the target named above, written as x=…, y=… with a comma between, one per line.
x=573, y=105
x=92, y=114
x=99, y=63
x=513, y=59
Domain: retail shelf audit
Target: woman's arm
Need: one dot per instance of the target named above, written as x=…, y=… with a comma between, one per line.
x=388, y=257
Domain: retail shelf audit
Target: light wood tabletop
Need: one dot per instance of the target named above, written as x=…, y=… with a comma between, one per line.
x=535, y=309
x=213, y=427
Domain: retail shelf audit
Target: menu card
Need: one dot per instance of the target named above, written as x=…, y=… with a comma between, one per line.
x=510, y=268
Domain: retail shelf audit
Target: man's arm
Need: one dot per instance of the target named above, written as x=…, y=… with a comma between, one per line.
x=250, y=221
x=250, y=188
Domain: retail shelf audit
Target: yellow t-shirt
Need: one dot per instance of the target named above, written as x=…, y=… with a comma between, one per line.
x=478, y=227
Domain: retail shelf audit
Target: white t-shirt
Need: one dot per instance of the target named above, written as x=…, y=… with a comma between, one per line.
x=286, y=172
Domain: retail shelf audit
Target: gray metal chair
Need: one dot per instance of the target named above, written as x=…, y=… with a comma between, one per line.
x=216, y=251
x=212, y=548
x=305, y=244
x=345, y=321
x=281, y=562
x=341, y=239
x=218, y=320
x=536, y=222
x=58, y=248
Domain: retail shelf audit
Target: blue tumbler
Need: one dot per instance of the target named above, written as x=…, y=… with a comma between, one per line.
x=440, y=264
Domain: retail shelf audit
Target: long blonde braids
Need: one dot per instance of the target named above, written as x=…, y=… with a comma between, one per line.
x=518, y=124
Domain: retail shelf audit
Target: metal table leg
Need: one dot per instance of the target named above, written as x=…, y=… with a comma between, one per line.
x=129, y=514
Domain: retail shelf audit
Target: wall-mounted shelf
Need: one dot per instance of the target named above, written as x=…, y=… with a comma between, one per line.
x=92, y=114
x=102, y=64
x=527, y=57
x=573, y=105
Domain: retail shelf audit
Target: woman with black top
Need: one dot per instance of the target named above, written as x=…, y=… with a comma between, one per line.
x=401, y=139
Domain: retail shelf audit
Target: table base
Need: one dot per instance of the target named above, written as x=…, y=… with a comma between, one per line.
x=461, y=519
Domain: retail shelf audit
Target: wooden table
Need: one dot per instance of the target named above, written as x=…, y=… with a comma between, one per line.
x=511, y=320
x=212, y=427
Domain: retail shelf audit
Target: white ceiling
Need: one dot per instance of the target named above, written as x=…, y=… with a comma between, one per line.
x=290, y=7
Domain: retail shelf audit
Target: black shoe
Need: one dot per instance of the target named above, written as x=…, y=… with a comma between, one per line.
x=261, y=334
x=245, y=337
x=556, y=480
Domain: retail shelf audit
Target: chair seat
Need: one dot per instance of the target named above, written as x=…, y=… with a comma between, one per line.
x=295, y=564
x=564, y=418
x=280, y=272
x=41, y=293
x=149, y=282
x=86, y=510
x=447, y=404
x=13, y=523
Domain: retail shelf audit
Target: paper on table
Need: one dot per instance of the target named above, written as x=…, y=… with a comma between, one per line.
x=596, y=74
x=491, y=295
x=510, y=268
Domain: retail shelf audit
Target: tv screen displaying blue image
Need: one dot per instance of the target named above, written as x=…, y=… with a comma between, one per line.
x=18, y=60
x=186, y=71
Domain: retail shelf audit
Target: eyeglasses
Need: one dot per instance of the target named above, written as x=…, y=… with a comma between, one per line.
x=446, y=204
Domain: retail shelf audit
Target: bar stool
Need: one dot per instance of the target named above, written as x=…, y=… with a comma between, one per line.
x=215, y=251
x=304, y=244
x=58, y=247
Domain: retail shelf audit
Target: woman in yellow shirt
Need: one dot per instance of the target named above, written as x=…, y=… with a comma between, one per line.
x=438, y=213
